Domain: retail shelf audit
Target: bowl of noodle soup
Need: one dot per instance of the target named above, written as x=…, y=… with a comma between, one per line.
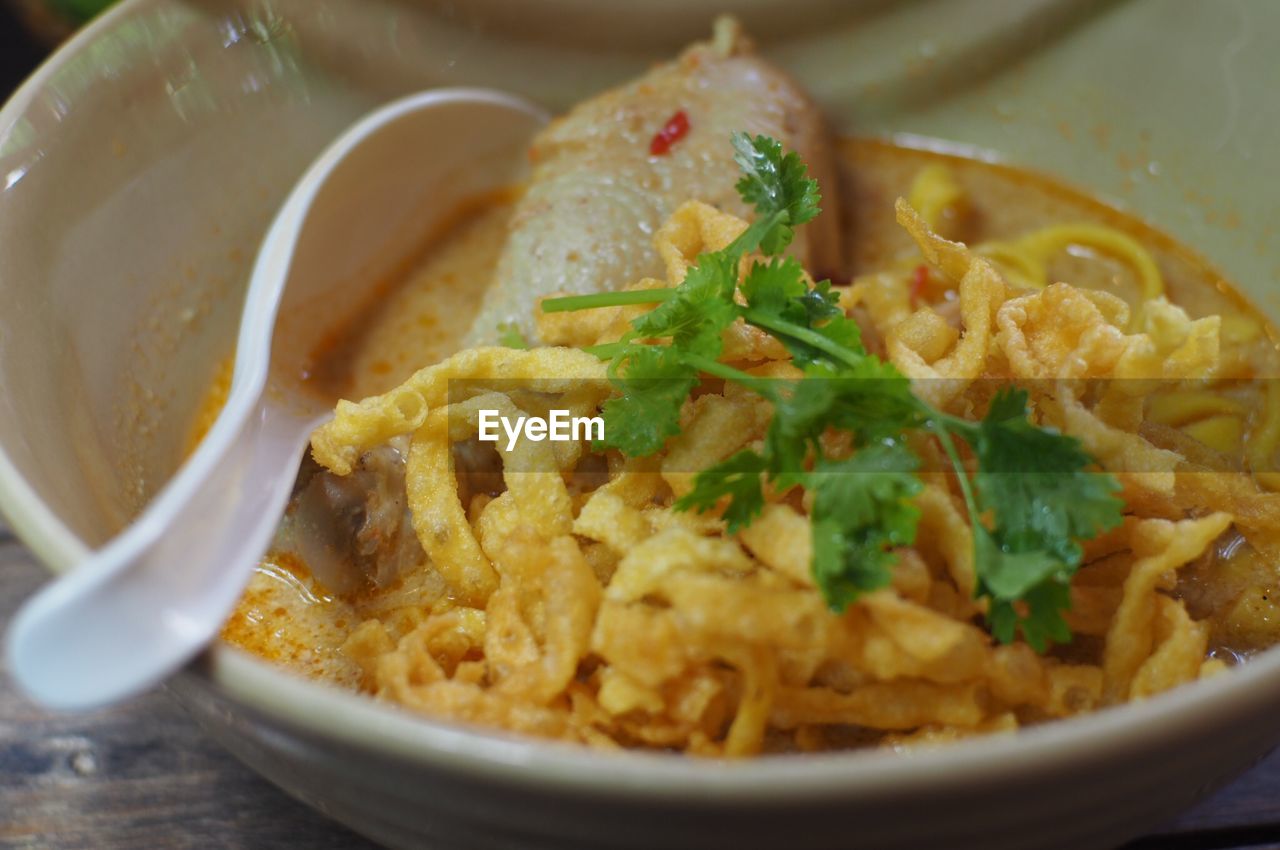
x=1053, y=170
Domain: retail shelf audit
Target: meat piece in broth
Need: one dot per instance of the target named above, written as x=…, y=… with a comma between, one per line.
x=586, y=224
x=597, y=193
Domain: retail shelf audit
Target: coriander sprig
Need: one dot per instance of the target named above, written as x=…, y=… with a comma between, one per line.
x=1030, y=499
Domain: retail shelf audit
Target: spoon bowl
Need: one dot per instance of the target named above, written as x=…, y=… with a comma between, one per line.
x=137, y=609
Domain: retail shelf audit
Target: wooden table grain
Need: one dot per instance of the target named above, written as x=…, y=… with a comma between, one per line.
x=139, y=775
x=142, y=775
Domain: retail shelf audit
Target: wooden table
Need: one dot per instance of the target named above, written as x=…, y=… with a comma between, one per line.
x=143, y=775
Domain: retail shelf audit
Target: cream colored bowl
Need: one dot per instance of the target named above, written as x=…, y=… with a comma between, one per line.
x=140, y=166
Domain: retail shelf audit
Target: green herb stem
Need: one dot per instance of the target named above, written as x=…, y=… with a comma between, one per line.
x=939, y=428
x=805, y=335
x=606, y=350
x=572, y=303
x=760, y=386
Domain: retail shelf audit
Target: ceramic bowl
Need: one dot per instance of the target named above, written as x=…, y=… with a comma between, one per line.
x=140, y=166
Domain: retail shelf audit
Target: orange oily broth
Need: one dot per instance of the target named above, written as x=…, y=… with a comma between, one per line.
x=421, y=320
x=285, y=612
x=286, y=615
x=211, y=405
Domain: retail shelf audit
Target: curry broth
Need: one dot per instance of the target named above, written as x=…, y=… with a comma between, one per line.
x=420, y=319
x=288, y=617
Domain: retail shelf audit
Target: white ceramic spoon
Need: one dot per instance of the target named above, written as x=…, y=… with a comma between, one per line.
x=137, y=609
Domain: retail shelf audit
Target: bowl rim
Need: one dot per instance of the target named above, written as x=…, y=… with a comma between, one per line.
x=354, y=720
x=350, y=718
x=33, y=521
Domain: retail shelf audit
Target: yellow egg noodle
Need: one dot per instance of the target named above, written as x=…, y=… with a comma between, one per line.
x=1209, y=417
x=588, y=610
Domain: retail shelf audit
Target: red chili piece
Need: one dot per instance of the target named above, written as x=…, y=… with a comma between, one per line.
x=919, y=280
x=676, y=128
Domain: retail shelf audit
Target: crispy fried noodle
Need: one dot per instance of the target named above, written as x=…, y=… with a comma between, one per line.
x=599, y=614
x=1015, y=465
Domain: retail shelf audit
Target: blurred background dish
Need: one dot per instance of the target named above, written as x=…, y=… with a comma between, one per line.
x=53, y=20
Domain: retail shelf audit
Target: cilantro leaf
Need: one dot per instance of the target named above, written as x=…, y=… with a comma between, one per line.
x=872, y=401
x=773, y=182
x=824, y=314
x=700, y=308
x=1037, y=481
x=1043, y=623
x=509, y=336
x=778, y=187
x=1031, y=500
x=655, y=387
x=799, y=418
x=776, y=287
x=779, y=299
x=1036, y=484
x=1009, y=575
x=862, y=510
x=655, y=380
x=739, y=478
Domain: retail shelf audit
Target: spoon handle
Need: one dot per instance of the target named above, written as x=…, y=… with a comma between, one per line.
x=116, y=625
